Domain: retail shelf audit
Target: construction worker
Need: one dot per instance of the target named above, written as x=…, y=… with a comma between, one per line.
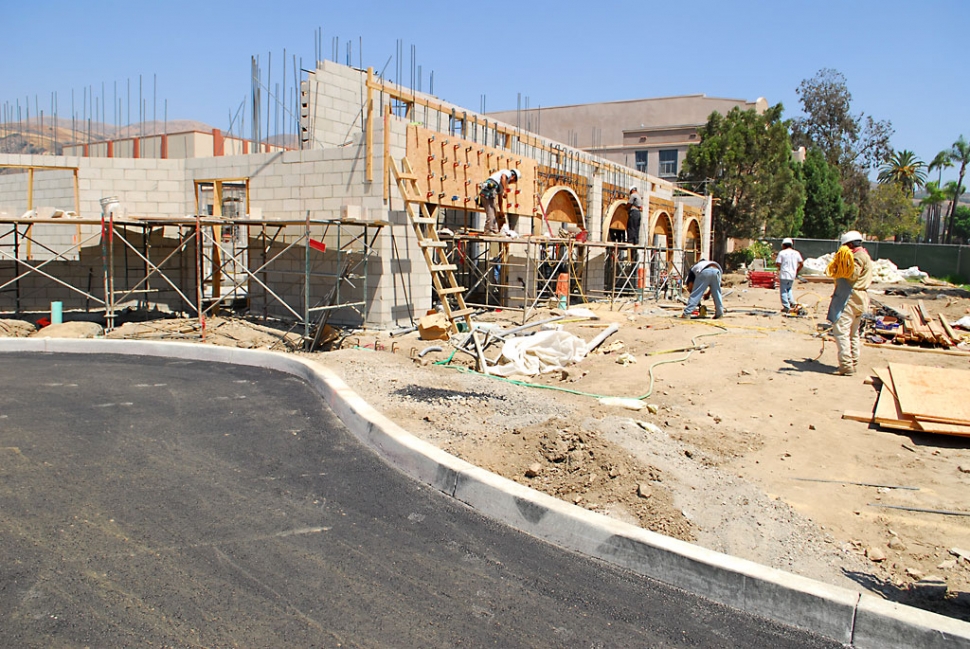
x=790, y=263
x=852, y=269
x=704, y=276
x=492, y=195
x=634, y=209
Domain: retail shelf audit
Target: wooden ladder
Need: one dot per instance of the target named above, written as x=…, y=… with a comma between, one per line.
x=442, y=271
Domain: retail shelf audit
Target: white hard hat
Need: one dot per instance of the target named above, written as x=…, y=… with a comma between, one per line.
x=849, y=237
x=633, y=189
x=516, y=172
x=787, y=242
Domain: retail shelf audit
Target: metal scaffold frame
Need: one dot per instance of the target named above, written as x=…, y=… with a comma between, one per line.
x=201, y=251
x=486, y=264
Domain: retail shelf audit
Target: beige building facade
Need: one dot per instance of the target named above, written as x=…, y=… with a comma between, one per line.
x=649, y=135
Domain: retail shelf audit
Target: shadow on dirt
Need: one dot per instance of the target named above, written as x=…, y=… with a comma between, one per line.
x=808, y=365
x=933, y=598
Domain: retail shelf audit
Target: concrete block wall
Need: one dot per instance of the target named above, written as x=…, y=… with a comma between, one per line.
x=142, y=186
x=52, y=189
x=337, y=95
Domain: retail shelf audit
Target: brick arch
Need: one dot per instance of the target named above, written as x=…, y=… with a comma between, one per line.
x=562, y=205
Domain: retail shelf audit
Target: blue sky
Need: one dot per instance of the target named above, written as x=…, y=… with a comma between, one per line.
x=903, y=61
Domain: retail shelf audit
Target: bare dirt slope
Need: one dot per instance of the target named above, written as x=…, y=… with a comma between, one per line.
x=747, y=454
x=742, y=447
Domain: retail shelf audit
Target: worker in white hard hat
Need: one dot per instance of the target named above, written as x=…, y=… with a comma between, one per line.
x=634, y=211
x=492, y=194
x=850, y=300
x=789, y=263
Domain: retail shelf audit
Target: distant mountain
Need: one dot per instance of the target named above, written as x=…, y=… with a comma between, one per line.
x=37, y=137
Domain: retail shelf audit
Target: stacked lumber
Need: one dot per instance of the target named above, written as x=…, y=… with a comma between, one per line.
x=921, y=399
x=921, y=328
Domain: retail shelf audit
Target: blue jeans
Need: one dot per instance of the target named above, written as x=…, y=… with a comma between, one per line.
x=709, y=278
x=787, y=301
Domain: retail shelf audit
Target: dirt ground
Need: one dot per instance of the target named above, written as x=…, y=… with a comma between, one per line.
x=741, y=447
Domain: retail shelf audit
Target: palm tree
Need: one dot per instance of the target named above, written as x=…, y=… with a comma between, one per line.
x=905, y=170
x=934, y=199
x=940, y=162
x=959, y=154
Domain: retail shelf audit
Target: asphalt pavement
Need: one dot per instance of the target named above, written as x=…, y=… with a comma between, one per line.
x=161, y=502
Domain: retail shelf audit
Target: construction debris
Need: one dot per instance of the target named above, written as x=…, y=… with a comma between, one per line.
x=919, y=327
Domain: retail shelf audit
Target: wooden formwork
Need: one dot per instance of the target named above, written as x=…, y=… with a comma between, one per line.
x=450, y=170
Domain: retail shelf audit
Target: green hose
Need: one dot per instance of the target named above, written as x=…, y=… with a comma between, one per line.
x=466, y=370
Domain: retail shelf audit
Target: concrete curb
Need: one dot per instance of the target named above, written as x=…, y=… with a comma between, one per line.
x=852, y=618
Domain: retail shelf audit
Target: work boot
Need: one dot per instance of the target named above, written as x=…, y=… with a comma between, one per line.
x=845, y=370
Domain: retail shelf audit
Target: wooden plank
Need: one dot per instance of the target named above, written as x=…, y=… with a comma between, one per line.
x=924, y=350
x=932, y=393
x=858, y=415
x=949, y=330
x=943, y=429
x=939, y=336
x=923, y=311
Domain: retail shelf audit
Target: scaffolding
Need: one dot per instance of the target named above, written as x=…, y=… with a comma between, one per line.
x=526, y=272
x=204, y=264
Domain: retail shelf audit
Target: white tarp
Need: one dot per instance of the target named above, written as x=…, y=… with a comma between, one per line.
x=545, y=351
x=883, y=270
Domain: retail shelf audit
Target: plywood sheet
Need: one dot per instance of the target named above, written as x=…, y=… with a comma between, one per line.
x=886, y=378
x=450, y=169
x=889, y=415
x=932, y=392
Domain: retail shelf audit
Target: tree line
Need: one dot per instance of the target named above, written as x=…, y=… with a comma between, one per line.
x=746, y=162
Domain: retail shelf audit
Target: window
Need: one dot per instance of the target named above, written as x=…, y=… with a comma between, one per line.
x=641, y=161
x=668, y=162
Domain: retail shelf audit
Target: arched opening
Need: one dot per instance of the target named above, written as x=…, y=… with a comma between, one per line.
x=614, y=223
x=692, y=243
x=662, y=234
x=561, y=205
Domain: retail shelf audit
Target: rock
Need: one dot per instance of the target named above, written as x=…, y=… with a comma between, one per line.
x=572, y=374
x=643, y=491
x=16, y=328
x=652, y=408
x=650, y=428
x=875, y=554
x=811, y=426
x=914, y=573
x=534, y=470
x=964, y=468
x=949, y=564
x=896, y=544
x=70, y=330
